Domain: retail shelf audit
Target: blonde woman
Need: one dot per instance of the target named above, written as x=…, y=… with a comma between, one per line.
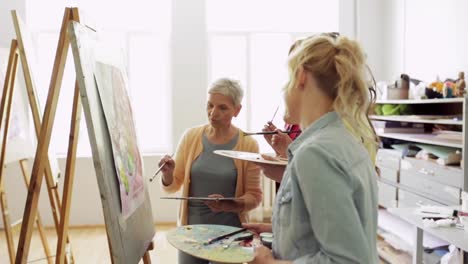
x=326, y=208
x=200, y=172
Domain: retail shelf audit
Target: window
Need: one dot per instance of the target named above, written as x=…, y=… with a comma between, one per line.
x=141, y=29
x=255, y=51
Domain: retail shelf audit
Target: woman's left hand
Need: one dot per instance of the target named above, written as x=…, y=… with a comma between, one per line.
x=223, y=206
x=263, y=255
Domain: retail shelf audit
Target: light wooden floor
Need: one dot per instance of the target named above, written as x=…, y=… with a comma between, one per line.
x=89, y=245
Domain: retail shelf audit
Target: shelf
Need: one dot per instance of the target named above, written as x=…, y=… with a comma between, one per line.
x=412, y=190
x=414, y=119
x=424, y=138
x=422, y=101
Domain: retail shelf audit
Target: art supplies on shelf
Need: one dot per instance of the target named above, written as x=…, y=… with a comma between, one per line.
x=448, y=134
x=397, y=127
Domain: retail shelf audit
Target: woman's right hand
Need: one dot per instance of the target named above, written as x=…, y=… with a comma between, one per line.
x=269, y=127
x=279, y=142
x=258, y=228
x=167, y=170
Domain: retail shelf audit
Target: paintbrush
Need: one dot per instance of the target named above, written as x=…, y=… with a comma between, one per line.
x=270, y=132
x=218, y=238
x=274, y=115
x=159, y=169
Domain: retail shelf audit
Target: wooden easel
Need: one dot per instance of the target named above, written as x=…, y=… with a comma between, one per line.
x=71, y=14
x=52, y=190
x=5, y=111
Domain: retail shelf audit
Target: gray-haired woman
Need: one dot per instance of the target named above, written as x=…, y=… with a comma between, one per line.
x=200, y=172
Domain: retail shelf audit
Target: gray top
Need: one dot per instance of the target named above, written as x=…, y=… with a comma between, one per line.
x=326, y=208
x=210, y=174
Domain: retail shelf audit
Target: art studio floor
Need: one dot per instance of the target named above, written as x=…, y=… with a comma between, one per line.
x=89, y=245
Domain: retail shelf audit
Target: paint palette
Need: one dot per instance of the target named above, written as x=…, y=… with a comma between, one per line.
x=202, y=198
x=249, y=156
x=191, y=239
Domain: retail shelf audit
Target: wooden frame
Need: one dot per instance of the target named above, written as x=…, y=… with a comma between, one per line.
x=5, y=111
x=41, y=156
x=52, y=189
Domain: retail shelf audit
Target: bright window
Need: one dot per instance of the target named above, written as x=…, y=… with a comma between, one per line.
x=255, y=51
x=141, y=28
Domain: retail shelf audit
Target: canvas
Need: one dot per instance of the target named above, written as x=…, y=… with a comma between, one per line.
x=129, y=235
x=112, y=87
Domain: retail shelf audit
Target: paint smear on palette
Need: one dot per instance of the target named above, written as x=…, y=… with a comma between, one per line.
x=191, y=238
x=112, y=86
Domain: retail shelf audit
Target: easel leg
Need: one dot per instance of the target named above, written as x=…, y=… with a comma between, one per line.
x=40, y=228
x=146, y=257
x=69, y=175
x=7, y=223
x=7, y=102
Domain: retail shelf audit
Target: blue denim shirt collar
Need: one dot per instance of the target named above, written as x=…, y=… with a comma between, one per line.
x=322, y=122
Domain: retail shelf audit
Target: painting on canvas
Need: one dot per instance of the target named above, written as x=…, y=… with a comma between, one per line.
x=112, y=87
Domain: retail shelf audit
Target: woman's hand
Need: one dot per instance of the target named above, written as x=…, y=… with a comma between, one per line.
x=258, y=228
x=274, y=172
x=263, y=255
x=224, y=206
x=269, y=127
x=279, y=142
x=167, y=170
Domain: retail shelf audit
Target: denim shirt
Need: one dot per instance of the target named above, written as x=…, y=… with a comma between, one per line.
x=326, y=207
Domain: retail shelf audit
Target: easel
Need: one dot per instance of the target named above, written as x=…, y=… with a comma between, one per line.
x=71, y=14
x=5, y=111
x=35, y=111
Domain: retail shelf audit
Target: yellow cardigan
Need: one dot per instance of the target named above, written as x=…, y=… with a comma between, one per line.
x=248, y=174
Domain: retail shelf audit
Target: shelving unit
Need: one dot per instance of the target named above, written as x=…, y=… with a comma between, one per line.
x=425, y=138
x=415, y=119
x=409, y=182
x=423, y=101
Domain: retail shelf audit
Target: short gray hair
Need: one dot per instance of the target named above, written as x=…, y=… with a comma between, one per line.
x=228, y=87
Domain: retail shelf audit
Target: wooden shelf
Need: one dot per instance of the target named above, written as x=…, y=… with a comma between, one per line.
x=423, y=101
x=424, y=138
x=414, y=119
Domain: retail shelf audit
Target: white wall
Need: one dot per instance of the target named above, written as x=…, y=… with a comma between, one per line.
x=424, y=38
x=369, y=32
x=436, y=38
x=7, y=31
x=189, y=70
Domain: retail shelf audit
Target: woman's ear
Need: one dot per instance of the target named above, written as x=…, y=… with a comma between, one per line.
x=301, y=77
x=236, y=112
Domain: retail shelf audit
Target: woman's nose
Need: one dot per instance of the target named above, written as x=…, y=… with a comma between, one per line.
x=213, y=112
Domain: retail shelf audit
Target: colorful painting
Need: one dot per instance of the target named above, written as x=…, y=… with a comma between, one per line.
x=112, y=87
x=192, y=239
